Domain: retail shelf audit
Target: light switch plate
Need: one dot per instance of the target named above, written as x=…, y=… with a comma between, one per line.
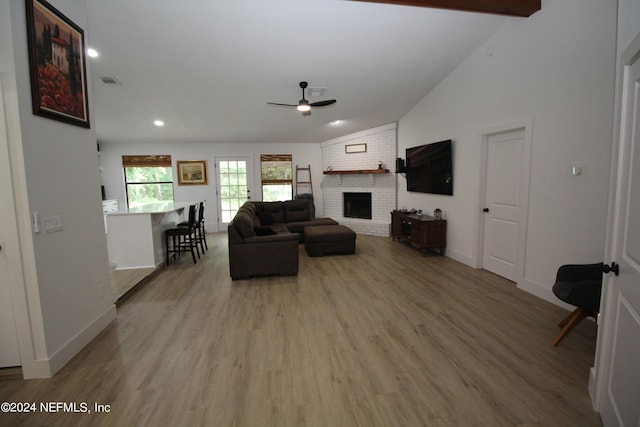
x=52, y=224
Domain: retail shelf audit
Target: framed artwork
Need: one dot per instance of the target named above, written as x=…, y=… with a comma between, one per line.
x=192, y=172
x=57, y=65
x=355, y=148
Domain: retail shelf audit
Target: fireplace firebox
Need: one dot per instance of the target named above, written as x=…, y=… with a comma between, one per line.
x=356, y=205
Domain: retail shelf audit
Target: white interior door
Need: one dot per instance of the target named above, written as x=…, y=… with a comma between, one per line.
x=9, y=350
x=503, y=202
x=620, y=360
x=234, y=178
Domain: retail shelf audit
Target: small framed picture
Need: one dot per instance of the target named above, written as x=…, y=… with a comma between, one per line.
x=192, y=172
x=355, y=148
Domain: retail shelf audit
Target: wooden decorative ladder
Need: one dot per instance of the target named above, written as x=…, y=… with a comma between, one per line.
x=305, y=180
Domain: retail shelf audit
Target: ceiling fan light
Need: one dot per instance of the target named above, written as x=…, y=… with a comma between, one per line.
x=303, y=105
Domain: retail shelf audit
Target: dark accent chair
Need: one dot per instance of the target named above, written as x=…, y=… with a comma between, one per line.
x=579, y=285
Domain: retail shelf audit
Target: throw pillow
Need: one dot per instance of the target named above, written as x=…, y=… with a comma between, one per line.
x=263, y=231
x=265, y=218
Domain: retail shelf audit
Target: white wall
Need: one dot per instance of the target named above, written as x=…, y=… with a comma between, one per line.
x=113, y=180
x=555, y=69
x=67, y=272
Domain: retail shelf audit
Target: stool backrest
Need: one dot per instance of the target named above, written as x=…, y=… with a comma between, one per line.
x=201, y=211
x=192, y=215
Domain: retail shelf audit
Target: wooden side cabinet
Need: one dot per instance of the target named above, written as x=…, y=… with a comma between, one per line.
x=424, y=232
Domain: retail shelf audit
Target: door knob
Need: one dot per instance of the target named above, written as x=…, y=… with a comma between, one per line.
x=609, y=268
x=485, y=210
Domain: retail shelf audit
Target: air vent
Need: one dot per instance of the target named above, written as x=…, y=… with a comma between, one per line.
x=314, y=92
x=110, y=80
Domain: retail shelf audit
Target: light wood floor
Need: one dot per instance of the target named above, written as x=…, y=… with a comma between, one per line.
x=122, y=281
x=384, y=337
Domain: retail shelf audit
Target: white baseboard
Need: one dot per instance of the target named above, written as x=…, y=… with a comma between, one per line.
x=460, y=257
x=63, y=355
x=543, y=292
x=36, y=369
x=592, y=387
x=536, y=289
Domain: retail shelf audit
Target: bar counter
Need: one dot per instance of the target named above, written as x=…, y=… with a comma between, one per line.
x=135, y=237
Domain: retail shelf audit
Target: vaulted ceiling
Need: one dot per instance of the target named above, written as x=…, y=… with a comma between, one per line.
x=208, y=68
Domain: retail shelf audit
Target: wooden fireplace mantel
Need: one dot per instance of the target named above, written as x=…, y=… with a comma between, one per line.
x=371, y=172
x=357, y=172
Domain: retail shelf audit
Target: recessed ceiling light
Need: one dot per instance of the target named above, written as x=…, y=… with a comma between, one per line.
x=336, y=122
x=158, y=123
x=92, y=53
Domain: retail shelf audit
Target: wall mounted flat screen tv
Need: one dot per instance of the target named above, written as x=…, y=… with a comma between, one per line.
x=429, y=168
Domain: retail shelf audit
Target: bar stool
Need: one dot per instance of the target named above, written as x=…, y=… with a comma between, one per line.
x=182, y=239
x=199, y=226
x=202, y=233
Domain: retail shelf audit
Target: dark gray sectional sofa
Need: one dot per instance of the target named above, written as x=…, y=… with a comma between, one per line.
x=264, y=236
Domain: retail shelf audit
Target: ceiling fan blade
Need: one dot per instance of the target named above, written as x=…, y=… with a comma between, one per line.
x=282, y=105
x=323, y=103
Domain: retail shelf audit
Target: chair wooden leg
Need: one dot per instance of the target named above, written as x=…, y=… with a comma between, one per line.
x=180, y=244
x=194, y=240
x=567, y=319
x=171, y=247
x=193, y=245
x=203, y=235
x=166, y=249
x=201, y=240
x=570, y=322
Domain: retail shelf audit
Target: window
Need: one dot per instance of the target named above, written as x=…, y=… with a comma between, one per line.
x=277, y=177
x=148, y=181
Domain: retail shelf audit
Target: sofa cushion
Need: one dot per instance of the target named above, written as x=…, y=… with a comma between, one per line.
x=298, y=226
x=243, y=221
x=249, y=206
x=263, y=231
x=309, y=198
x=280, y=228
x=296, y=210
x=275, y=209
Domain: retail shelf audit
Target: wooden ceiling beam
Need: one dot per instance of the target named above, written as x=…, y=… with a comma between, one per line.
x=523, y=8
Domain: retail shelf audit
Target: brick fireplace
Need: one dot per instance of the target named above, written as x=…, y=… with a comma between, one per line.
x=381, y=147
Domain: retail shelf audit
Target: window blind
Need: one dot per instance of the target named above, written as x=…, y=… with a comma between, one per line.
x=146, y=161
x=276, y=169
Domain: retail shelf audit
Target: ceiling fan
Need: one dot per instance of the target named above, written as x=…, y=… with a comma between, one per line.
x=303, y=105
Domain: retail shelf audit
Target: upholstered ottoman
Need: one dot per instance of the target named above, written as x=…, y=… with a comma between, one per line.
x=329, y=239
